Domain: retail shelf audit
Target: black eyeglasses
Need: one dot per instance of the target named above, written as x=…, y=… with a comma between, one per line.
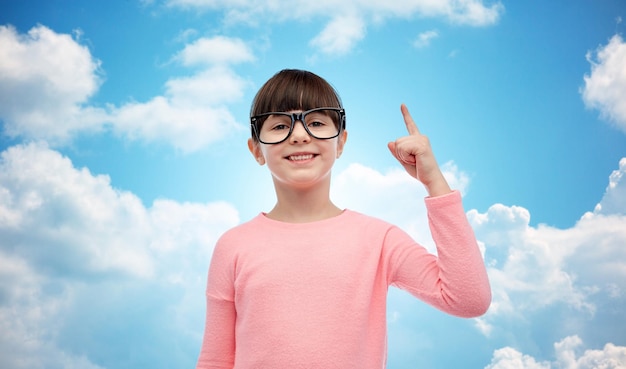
x=320, y=123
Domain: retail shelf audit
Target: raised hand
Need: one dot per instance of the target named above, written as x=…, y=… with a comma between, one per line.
x=416, y=156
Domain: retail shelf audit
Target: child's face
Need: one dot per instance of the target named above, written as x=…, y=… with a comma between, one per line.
x=301, y=161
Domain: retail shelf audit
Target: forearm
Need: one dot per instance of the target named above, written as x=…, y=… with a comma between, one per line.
x=218, y=345
x=463, y=280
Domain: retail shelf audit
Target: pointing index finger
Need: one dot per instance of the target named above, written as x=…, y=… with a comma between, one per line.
x=408, y=120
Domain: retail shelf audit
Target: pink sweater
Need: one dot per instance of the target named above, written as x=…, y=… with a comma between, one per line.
x=313, y=295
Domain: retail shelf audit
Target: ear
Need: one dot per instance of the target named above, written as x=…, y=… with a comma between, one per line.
x=341, y=142
x=255, y=150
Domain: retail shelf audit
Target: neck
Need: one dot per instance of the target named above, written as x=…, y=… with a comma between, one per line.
x=304, y=205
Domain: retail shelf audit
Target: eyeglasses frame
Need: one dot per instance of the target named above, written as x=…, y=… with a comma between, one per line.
x=298, y=117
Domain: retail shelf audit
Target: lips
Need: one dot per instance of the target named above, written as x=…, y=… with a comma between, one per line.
x=300, y=157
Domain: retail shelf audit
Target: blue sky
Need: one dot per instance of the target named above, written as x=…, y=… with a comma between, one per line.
x=123, y=159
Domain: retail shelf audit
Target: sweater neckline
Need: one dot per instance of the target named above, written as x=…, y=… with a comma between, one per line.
x=262, y=217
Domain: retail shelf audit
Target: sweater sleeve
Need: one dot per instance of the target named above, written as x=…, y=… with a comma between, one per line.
x=218, y=345
x=455, y=281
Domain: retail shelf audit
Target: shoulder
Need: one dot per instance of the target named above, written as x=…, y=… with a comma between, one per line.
x=236, y=237
x=242, y=231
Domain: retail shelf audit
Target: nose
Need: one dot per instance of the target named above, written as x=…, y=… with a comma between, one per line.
x=299, y=133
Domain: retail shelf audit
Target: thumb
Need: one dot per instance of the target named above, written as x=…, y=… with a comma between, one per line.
x=392, y=148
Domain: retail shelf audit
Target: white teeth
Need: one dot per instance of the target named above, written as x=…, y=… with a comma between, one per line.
x=301, y=157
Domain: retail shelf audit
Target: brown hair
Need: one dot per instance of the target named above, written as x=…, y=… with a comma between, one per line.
x=294, y=89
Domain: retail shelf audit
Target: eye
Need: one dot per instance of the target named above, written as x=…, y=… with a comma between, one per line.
x=316, y=123
x=318, y=120
x=280, y=127
x=277, y=123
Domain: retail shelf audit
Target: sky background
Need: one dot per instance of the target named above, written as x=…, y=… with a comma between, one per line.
x=124, y=158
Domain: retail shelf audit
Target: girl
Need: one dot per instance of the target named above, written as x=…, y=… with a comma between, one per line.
x=305, y=285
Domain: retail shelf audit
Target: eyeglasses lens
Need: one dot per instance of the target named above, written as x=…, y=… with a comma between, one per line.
x=319, y=123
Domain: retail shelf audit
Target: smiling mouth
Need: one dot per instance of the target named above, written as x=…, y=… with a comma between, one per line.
x=301, y=157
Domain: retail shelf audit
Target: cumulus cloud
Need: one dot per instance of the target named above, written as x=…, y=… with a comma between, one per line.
x=526, y=264
x=534, y=271
x=535, y=267
x=509, y=358
x=218, y=50
x=567, y=356
x=348, y=20
x=192, y=113
x=80, y=259
x=605, y=87
x=339, y=35
x=47, y=80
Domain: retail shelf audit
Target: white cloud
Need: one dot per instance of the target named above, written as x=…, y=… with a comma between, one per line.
x=605, y=87
x=567, y=356
x=192, y=114
x=339, y=35
x=80, y=260
x=47, y=79
x=614, y=199
x=526, y=264
x=473, y=13
x=217, y=50
x=43, y=191
x=509, y=358
x=533, y=268
x=424, y=38
x=348, y=20
x=369, y=191
x=29, y=317
x=534, y=271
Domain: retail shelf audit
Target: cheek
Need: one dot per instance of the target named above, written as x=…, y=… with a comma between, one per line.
x=269, y=155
